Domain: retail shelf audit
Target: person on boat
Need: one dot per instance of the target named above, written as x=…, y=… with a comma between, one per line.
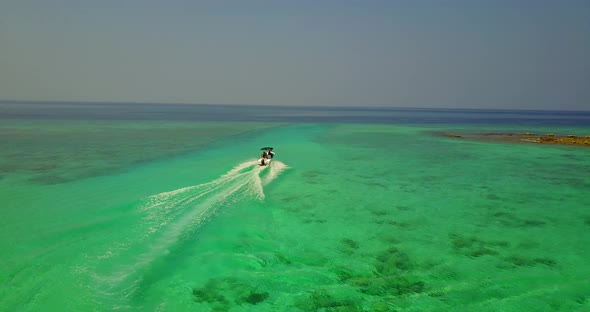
x=264, y=155
x=271, y=154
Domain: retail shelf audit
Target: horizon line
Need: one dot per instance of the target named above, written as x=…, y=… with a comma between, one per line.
x=3, y=101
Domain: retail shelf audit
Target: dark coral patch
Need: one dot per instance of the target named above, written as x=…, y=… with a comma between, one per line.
x=493, y=197
x=389, y=285
x=350, y=243
x=531, y=223
x=321, y=300
x=510, y=220
x=289, y=199
x=404, y=208
x=403, y=225
x=392, y=261
x=348, y=246
x=208, y=295
x=481, y=251
x=382, y=306
x=581, y=299
x=255, y=297
x=474, y=247
x=521, y=261
x=49, y=179
x=545, y=261
x=311, y=174
x=393, y=276
x=216, y=293
x=388, y=238
x=379, y=212
x=283, y=259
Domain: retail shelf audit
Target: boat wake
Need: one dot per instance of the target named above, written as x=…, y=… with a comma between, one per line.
x=168, y=218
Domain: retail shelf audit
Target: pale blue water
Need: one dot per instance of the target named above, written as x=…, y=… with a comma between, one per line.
x=163, y=208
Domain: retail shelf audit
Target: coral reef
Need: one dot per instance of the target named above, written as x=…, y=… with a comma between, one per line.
x=348, y=246
x=520, y=261
x=323, y=300
x=218, y=294
x=474, y=247
x=510, y=220
x=393, y=276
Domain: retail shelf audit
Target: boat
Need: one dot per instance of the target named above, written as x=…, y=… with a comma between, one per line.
x=266, y=156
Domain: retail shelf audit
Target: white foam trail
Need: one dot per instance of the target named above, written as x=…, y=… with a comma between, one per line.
x=169, y=215
x=275, y=169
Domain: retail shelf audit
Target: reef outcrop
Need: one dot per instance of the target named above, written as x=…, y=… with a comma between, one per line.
x=527, y=137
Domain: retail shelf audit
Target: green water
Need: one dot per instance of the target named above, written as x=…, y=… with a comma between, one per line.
x=174, y=216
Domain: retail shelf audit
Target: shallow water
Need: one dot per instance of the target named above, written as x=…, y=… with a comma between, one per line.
x=155, y=215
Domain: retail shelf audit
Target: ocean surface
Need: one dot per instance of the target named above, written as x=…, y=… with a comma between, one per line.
x=161, y=207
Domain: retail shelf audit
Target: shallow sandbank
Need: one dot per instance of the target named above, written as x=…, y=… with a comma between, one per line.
x=527, y=137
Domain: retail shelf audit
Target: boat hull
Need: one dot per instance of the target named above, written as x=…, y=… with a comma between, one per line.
x=264, y=161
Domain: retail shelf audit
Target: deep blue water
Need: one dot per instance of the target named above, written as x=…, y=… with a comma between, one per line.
x=208, y=112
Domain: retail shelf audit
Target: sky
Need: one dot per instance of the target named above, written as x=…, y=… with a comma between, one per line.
x=427, y=54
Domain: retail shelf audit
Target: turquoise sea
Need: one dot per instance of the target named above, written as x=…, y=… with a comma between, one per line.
x=134, y=207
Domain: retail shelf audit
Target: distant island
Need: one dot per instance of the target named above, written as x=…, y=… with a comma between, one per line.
x=527, y=137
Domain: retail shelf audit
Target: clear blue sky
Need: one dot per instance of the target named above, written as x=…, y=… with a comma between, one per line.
x=462, y=54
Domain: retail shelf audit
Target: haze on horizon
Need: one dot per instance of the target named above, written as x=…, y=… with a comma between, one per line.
x=436, y=54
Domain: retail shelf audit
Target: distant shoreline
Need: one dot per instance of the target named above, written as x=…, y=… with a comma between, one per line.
x=527, y=137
